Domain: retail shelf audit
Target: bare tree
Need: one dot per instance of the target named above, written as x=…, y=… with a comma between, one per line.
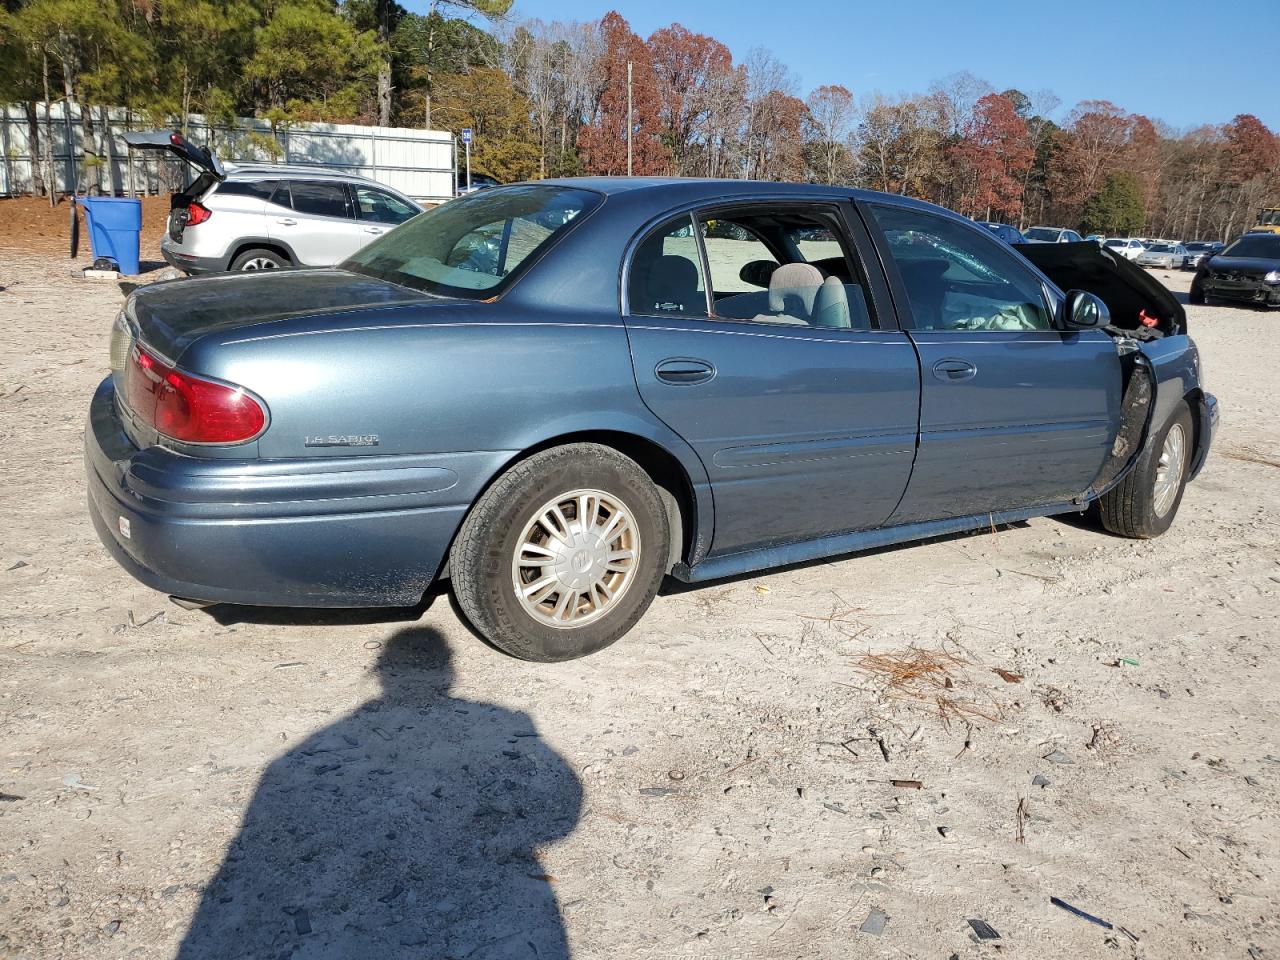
x=832, y=118
x=956, y=95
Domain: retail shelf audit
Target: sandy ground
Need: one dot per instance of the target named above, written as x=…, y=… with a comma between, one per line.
x=711, y=787
x=30, y=225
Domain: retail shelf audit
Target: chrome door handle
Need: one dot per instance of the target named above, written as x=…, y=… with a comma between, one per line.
x=954, y=371
x=682, y=371
x=288, y=222
x=374, y=230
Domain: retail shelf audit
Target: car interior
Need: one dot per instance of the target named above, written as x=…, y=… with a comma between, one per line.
x=955, y=278
x=766, y=266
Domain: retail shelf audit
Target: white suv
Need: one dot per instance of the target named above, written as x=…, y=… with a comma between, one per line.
x=267, y=216
x=1127, y=247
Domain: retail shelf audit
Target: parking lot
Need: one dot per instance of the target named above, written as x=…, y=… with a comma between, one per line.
x=1065, y=713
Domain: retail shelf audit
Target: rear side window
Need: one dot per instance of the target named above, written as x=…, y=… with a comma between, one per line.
x=314, y=197
x=666, y=277
x=258, y=189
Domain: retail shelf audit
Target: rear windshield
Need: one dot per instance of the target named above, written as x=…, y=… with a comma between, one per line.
x=471, y=247
x=1041, y=233
x=1266, y=246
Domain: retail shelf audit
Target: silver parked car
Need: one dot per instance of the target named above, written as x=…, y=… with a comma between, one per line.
x=1167, y=255
x=267, y=216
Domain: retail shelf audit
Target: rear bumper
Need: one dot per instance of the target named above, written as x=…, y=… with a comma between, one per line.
x=190, y=262
x=323, y=532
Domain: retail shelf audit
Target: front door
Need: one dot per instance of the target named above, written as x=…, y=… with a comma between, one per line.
x=801, y=408
x=1014, y=412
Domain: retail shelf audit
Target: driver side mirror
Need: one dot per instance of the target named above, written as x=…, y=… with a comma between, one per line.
x=1085, y=311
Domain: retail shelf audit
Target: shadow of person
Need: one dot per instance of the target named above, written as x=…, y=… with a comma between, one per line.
x=406, y=829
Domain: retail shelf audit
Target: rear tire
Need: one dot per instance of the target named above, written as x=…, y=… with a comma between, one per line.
x=1145, y=502
x=259, y=259
x=563, y=554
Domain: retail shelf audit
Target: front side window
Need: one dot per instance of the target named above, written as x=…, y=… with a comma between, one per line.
x=474, y=246
x=380, y=206
x=666, y=277
x=956, y=278
x=319, y=199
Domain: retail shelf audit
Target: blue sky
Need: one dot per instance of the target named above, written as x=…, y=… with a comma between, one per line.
x=1186, y=62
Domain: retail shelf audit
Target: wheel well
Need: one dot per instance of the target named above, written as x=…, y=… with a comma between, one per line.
x=258, y=245
x=663, y=469
x=1194, y=399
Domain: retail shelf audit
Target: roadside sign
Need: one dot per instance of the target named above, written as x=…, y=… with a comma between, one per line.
x=466, y=134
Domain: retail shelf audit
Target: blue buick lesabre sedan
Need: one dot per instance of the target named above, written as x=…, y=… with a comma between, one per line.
x=556, y=394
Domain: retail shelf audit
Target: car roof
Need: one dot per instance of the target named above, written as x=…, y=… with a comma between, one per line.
x=274, y=171
x=669, y=192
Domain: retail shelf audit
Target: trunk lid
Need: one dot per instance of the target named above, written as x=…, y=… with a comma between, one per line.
x=171, y=315
x=209, y=170
x=171, y=141
x=1123, y=286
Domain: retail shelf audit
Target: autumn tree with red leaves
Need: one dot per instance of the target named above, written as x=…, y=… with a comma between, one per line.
x=691, y=70
x=603, y=143
x=991, y=157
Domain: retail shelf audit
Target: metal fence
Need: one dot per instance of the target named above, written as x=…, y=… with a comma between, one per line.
x=419, y=163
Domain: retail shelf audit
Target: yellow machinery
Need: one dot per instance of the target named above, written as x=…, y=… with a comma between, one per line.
x=1268, y=221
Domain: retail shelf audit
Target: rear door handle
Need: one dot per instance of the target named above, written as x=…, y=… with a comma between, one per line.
x=954, y=371
x=683, y=371
x=373, y=230
x=286, y=221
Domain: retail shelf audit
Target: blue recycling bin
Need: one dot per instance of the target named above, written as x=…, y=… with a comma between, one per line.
x=115, y=229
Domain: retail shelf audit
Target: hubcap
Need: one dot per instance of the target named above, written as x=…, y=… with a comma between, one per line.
x=259, y=263
x=576, y=558
x=1169, y=469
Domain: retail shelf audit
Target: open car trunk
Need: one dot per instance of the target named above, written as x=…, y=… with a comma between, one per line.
x=1128, y=290
x=208, y=167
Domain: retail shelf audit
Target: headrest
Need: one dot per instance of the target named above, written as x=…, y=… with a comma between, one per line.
x=831, y=306
x=792, y=285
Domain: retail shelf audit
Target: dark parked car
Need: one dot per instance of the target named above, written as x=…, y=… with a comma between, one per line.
x=1005, y=232
x=555, y=394
x=1197, y=250
x=1248, y=269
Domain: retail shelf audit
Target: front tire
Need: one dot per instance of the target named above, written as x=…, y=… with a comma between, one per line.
x=1145, y=502
x=1197, y=293
x=563, y=554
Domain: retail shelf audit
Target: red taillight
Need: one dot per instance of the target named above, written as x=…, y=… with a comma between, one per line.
x=197, y=213
x=186, y=407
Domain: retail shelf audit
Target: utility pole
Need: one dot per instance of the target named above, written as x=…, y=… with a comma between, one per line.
x=630, y=118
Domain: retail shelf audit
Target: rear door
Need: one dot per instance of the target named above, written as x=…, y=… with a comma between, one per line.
x=314, y=219
x=800, y=404
x=1014, y=411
